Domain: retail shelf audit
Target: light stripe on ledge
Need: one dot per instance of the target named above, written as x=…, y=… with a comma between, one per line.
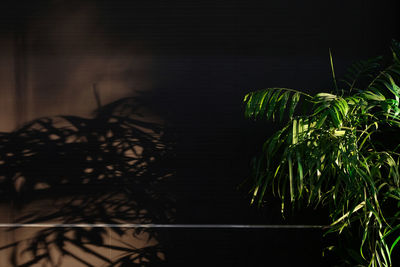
x=140, y=225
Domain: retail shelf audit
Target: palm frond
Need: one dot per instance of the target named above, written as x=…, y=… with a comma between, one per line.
x=272, y=103
x=362, y=70
x=337, y=154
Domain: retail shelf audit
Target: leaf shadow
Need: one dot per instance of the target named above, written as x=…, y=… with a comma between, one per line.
x=109, y=169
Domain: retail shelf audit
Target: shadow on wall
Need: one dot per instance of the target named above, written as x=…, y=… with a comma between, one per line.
x=67, y=169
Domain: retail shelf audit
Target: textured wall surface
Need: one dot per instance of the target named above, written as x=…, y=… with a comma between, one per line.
x=191, y=64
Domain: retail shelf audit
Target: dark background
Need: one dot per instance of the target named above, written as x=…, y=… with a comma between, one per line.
x=205, y=56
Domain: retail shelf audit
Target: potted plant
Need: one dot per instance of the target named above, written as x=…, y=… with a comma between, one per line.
x=336, y=150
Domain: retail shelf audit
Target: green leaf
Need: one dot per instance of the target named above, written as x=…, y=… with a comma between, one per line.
x=334, y=114
x=394, y=244
x=321, y=119
x=272, y=103
x=290, y=166
x=333, y=70
x=262, y=103
x=300, y=173
x=325, y=97
x=295, y=135
x=283, y=102
x=369, y=95
x=293, y=104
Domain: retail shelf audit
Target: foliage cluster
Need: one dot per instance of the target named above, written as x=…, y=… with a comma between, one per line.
x=340, y=150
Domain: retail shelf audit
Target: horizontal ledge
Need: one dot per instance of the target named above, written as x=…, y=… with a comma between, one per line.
x=141, y=225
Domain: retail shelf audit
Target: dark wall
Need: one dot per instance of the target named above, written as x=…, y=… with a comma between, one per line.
x=205, y=56
x=208, y=55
